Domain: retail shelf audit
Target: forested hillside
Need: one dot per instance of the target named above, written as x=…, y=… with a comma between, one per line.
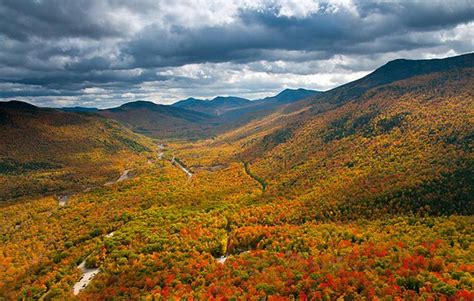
x=160, y=121
x=215, y=106
x=193, y=119
x=400, y=147
x=364, y=192
x=46, y=151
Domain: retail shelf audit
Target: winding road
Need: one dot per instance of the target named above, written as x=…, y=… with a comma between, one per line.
x=123, y=176
x=175, y=161
x=87, y=275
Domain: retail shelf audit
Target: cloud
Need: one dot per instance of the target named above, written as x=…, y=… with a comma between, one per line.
x=104, y=53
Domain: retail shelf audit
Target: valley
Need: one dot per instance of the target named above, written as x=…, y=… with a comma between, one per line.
x=361, y=192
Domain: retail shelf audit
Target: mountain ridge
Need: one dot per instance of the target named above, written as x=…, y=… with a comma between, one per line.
x=396, y=70
x=159, y=121
x=290, y=95
x=358, y=126
x=362, y=192
x=49, y=150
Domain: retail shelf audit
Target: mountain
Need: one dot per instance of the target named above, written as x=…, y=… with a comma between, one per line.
x=394, y=71
x=17, y=105
x=356, y=188
x=215, y=106
x=291, y=95
x=79, y=109
x=397, y=140
x=160, y=121
x=361, y=192
x=188, y=102
x=196, y=118
x=223, y=104
x=46, y=150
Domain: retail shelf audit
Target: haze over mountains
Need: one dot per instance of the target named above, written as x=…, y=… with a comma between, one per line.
x=221, y=104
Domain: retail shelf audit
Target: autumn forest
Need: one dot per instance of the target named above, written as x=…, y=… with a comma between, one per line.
x=364, y=191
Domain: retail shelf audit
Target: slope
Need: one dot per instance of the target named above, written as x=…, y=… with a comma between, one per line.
x=398, y=140
x=215, y=106
x=290, y=95
x=46, y=150
x=344, y=213
x=160, y=121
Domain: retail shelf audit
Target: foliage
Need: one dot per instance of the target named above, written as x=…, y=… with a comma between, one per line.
x=47, y=151
x=369, y=199
x=255, y=177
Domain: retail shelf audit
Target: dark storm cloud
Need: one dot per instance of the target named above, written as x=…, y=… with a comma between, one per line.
x=379, y=28
x=74, y=81
x=61, y=48
x=420, y=15
x=24, y=19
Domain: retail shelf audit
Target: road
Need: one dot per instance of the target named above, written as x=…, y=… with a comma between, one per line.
x=175, y=161
x=124, y=176
x=87, y=276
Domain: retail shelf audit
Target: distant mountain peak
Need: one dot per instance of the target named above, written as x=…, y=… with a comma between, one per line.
x=79, y=109
x=139, y=104
x=289, y=95
x=404, y=68
x=297, y=89
x=229, y=98
x=16, y=104
x=215, y=106
x=194, y=99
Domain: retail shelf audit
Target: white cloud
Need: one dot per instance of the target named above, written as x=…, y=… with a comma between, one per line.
x=94, y=90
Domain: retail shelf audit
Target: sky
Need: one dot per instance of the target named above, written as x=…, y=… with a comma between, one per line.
x=102, y=53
